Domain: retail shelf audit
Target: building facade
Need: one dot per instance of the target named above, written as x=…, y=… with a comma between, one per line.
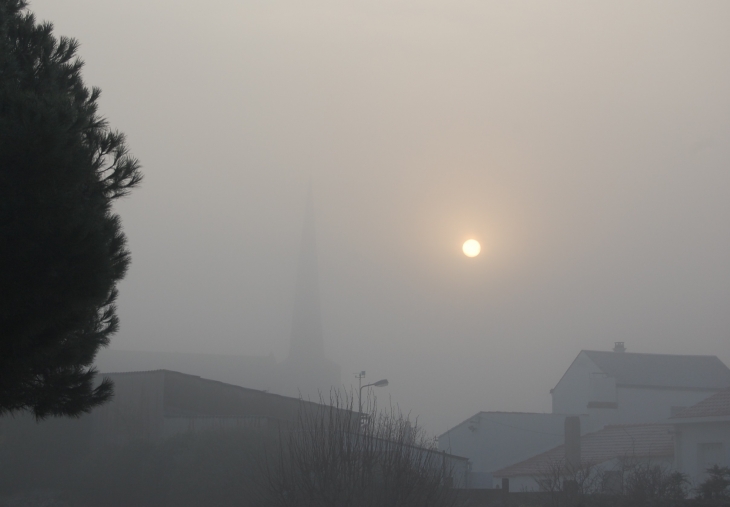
x=155, y=405
x=627, y=388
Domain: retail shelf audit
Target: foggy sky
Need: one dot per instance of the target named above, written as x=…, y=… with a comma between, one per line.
x=584, y=144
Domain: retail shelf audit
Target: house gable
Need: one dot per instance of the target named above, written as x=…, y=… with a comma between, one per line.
x=572, y=393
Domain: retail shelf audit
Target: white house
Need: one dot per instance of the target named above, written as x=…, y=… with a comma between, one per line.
x=703, y=436
x=627, y=388
x=602, y=388
x=493, y=440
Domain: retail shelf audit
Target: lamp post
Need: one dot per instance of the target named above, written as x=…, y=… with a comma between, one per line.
x=379, y=383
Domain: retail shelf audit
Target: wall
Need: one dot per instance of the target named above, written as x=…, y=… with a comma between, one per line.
x=688, y=439
x=135, y=412
x=157, y=404
x=573, y=392
x=642, y=405
x=177, y=425
x=460, y=471
x=187, y=395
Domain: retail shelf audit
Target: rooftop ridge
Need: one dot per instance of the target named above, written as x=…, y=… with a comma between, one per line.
x=259, y=391
x=679, y=371
x=648, y=354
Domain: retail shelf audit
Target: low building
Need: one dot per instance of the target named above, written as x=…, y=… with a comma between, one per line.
x=703, y=436
x=493, y=440
x=598, y=456
x=153, y=405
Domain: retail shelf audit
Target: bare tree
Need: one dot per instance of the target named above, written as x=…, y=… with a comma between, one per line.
x=335, y=456
x=568, y=484
x=630, y=482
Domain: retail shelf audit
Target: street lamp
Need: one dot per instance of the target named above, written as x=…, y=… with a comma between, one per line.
x=379, y=383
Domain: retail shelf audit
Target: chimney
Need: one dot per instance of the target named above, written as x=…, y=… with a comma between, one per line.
x=619, y=347
x=572, y=443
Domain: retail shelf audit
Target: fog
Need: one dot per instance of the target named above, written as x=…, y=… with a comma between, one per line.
x=584, y=144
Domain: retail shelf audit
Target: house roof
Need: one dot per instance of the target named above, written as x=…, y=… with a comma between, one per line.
x=662, y=370
x=537, y=416
x=202, y=381
x=717, y=405
x=618, y=441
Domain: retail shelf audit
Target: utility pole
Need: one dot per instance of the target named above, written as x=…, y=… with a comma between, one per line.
x=360, y=376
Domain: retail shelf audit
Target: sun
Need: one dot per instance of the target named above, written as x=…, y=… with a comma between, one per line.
x=471, y=248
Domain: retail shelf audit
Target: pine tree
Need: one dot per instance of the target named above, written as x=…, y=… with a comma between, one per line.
x=62, y=249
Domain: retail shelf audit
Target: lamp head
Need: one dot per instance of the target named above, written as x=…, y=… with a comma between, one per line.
x=381, y=383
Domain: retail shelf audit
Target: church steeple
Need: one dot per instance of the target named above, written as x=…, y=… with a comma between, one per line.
x=306, y=342
x=307, y=372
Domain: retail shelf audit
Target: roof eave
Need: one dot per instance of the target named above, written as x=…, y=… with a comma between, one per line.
x=698, y=420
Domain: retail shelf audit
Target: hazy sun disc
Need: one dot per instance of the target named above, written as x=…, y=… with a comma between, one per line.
x=471, y=248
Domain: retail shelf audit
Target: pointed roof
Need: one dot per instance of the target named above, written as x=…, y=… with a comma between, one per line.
x=306, y=341
x=662, y=370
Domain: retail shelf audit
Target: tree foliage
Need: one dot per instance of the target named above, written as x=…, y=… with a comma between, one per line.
x=654, y=485
x=717, y=484
x=62, y=249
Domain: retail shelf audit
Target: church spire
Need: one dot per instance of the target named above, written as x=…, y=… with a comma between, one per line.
x=307, y=372
x=307, y=343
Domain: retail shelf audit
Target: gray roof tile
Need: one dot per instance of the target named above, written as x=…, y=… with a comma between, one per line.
x=662, y=370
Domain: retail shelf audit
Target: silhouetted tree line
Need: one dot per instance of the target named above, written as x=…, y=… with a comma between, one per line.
x=633, y=483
